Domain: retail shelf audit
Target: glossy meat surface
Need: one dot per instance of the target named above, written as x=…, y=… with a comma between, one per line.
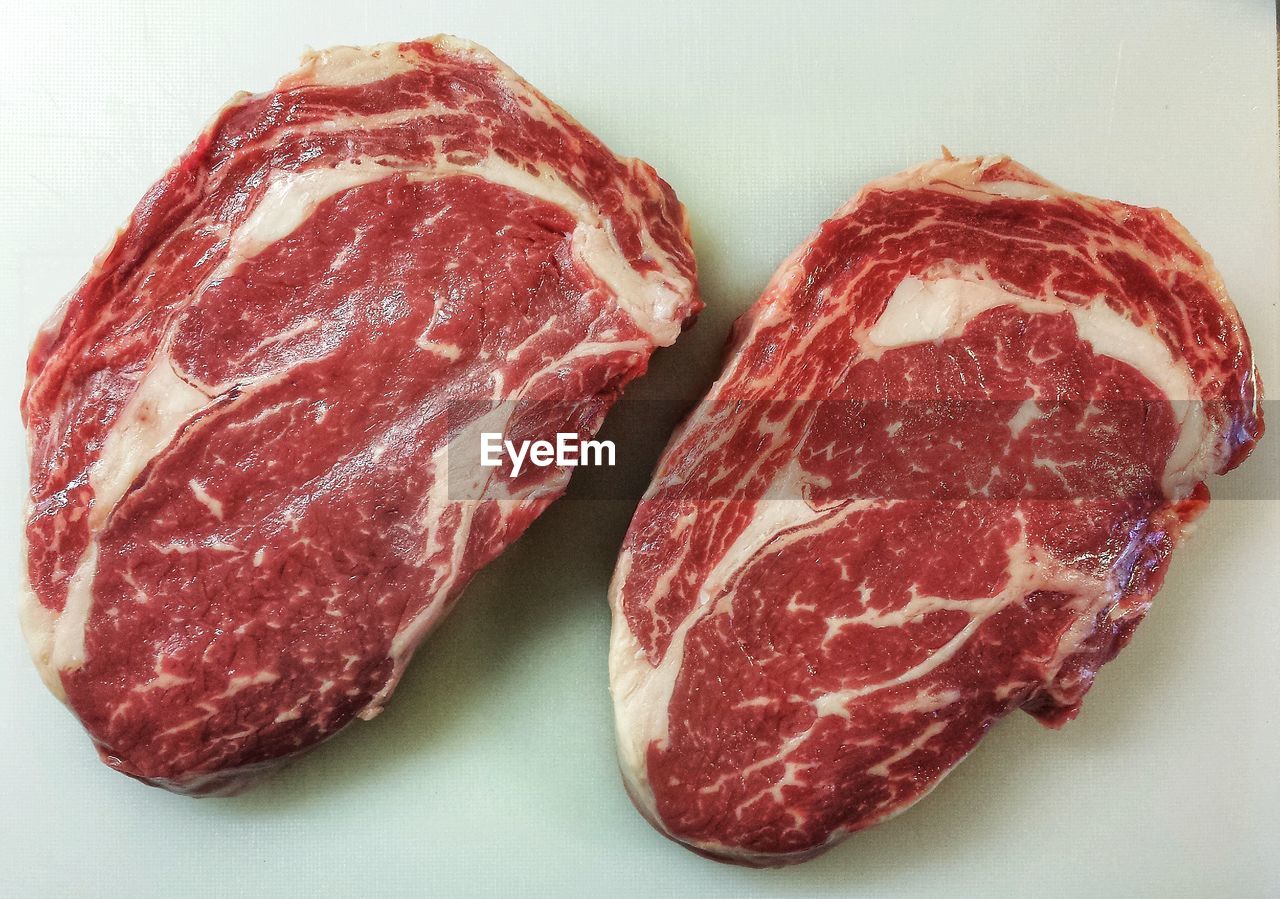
x=940, y=479
x=253, y=426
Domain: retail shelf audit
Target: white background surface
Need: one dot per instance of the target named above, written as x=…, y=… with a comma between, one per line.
x=492, y=771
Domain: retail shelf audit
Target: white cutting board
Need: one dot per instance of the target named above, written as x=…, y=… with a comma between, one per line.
x=492, y=771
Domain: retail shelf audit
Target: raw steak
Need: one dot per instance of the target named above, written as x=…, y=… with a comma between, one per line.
x=940, y=479
x=245, y=514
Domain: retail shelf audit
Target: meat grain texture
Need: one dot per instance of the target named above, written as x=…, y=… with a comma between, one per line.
x=940, y=479
x=254, y=425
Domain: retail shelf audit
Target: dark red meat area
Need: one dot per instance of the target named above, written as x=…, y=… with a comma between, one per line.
x=728, y=774
x=274, y=619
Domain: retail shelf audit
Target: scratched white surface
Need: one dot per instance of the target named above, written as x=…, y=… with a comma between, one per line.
x=492, y=772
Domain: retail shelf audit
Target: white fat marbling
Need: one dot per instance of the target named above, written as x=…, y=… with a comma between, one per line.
x=653, y=300
x=148, y=423
x=923, y=310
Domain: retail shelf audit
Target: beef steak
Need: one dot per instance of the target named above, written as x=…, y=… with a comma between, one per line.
x=253, y=426
x=939, y=479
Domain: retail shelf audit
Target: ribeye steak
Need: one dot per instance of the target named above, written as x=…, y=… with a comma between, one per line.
x=939, y=479
x=244, y=515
